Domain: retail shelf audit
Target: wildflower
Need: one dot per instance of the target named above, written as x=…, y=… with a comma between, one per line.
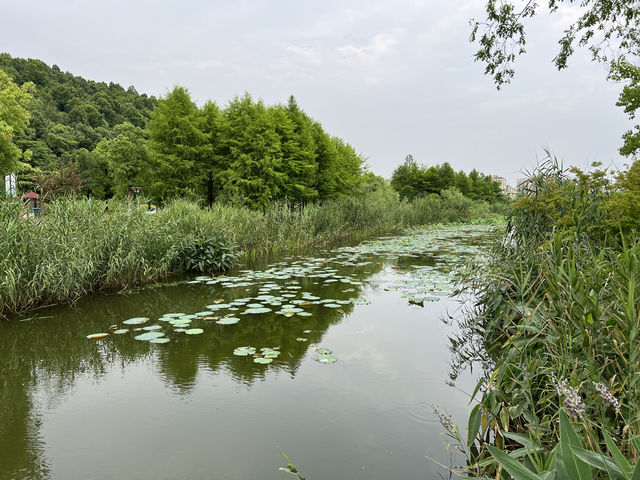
x=445, y=419
x=572, y=401
x=607, y=396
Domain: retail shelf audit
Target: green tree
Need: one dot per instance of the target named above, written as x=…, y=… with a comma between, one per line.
x=125, y=157
x=177, y=146
x=254, y=151
x=629, y=99
x=406, y=179
x=14, y=118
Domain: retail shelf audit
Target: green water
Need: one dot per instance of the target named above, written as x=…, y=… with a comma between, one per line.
x=73, y=408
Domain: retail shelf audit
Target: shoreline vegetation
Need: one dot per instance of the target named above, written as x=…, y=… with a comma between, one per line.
x=77, y=249
x=555, y=324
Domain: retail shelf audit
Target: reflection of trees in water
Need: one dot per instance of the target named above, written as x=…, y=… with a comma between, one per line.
x=180, y=358
x=468, y=347
x=53, y=353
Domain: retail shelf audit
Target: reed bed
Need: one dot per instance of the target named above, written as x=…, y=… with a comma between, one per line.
x=77, y=248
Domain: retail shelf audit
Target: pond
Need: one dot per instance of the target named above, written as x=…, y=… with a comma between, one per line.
x=334, y=358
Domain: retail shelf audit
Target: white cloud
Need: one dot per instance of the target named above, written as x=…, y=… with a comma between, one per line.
x=370, y=53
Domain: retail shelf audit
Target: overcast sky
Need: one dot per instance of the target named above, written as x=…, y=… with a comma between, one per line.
x=390, y=77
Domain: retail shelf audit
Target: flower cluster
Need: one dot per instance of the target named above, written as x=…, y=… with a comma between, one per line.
x=572, y=400
x=445, y=419
x=607, y=396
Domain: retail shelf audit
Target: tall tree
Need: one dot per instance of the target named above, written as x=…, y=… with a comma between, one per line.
x=177, y=145
x=125, y=157
x=255, y=154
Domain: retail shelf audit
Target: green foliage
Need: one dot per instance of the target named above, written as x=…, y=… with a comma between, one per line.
x=556, y=309
x=622, y=70
x=209, y=255
x=124, y=158
x=411, y=180
x=70, y=114
x=14, y=117
x=576, y=203
x=253, y=154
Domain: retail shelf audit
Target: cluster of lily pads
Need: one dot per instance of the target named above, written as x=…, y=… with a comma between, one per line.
x=280, y=289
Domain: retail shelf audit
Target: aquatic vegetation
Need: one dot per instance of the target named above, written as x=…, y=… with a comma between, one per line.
x=127, y=247
x=194, y=331
x=228, y=321
x=136, y=321
x=97, y=336
x=149, y=336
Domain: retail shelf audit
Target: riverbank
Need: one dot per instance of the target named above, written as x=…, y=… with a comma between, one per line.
x=77, y=248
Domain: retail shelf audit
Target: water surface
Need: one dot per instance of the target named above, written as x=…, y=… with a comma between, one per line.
x=73, y=408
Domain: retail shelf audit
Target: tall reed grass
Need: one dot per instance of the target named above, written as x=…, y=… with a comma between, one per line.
x=77, y=248
x=557, y=312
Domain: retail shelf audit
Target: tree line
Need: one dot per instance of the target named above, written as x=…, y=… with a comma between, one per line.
x=411, y=180
x=83, y=135
x=70, y=135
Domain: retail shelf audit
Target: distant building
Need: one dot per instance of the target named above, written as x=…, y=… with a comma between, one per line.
x=523, y=185
x=502, y=181
x=504, y=188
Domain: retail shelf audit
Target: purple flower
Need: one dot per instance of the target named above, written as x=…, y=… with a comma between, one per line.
x=607, y=396
x=572, y=400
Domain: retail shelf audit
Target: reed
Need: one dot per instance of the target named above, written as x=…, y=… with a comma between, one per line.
x=556, y=311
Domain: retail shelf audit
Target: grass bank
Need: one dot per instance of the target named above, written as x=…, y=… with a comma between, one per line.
x=77, y=248
x=557, y=311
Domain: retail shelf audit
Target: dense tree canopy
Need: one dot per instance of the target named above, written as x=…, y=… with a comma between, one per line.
x=14, y=118
x=251, y=153
x=411, y=180
x=71, y=115
x=112, y=138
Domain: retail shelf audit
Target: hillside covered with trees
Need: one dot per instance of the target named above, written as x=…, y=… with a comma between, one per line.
x=84, y=135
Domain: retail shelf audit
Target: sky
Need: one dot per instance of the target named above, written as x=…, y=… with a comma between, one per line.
x=389, y=77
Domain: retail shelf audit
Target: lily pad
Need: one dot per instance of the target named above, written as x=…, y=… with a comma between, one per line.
x=228, y=321
x=257, y=310
x=136, y=321
x=324, y=351
x=152, y=327
x=262, y=360
x=120, y=331
x=149, y=336
x=194, y=331
x=244, y=351
x=97, y=336
x=325, y=358
x=159, y=340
